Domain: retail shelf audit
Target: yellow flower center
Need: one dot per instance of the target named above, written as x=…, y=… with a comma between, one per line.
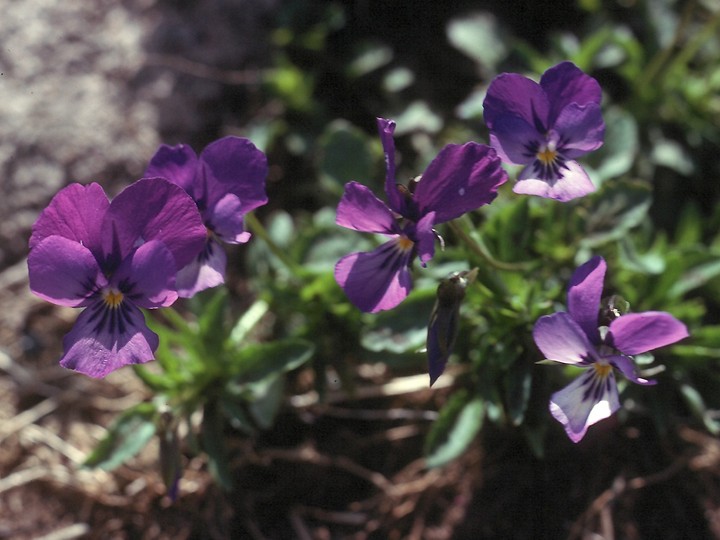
x=113, y=298
x=546, y=155
x=405, y=243
x=602, y=370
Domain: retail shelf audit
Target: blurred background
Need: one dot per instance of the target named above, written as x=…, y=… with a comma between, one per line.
x=90, y=88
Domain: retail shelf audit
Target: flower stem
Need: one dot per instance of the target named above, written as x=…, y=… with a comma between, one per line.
x=477, y=246
x=664, y=61
x=663, y=56
x=258, y=229
x=486, y=276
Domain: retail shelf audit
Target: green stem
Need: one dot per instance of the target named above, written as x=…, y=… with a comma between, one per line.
x=662, y=57
x=486, y=276
x=257, y=228
x=477, y=246
x=698, y=40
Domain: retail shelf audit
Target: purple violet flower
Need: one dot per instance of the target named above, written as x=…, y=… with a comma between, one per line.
x=227, y=181
x=444, y=322
x=546, y=127
x=458, y=180
x=580, y=339
x=112, y=258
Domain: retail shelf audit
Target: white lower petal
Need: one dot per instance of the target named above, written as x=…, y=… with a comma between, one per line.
x=584, y=402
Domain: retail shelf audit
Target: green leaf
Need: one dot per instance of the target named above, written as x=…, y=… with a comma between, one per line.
x=459, y=422
x=697, y=406
x=371, y=56
x=267, y=404
x=211, y=321
x=281, y=228
x=418, y=116
x=509, y=230
x=535, y=437
x=645, y=263
x=620, y=207
x=694, y=278
x=128, y=434
x=478, y=36
x=326, y=247
x=403, y=328
x=346, y=155
x=213, y=442
x=258, y=361
x=169, y=454
x=235, y=410
x=398, y=79
x=157, y=382
x=673, y=155
x=519, y=382
x=471, y=107
x=617, y=155
x=689, y=228
x=291, y=84
x=247, y=322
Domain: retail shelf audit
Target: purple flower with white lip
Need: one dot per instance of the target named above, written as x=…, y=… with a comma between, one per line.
x=546, y=127
x=227, y=181
x=458, y=180
x=112, y=258
x=580, y=338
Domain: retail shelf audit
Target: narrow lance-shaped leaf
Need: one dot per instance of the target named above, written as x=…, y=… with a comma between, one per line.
x=213, y=443
x=169, y=453
x=519, y=384
x=266, y=406
x=212, y=320
x=129, y=434
x=257, y=361
x=459, y=422
x=402, y=329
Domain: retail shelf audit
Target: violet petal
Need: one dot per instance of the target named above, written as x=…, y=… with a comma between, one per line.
x=178, y=164
x=426, y=237
x=512, y=137
x=154, y=209
x=360, y=210
x=460, y=179
x=512, y=95
x=581, y=128
x=96, y=349
x=564, y=84
x=148, y=276
x=227, y=220
x=386, y=128
x=75, y=212
x=628, y=368
x=378, y=280
x=234, y=165
x=574, y=183
x=64, y=272
x=584, y=402
x=636, y=333
x=584, y=295
x=444, y=323
x=207, y=270
x=560, y=339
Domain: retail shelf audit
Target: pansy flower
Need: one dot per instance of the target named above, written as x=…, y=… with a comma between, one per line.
x=546, y=127
x=579, y=338
x=460, y=179
x=112, y=258
x=226, y=181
